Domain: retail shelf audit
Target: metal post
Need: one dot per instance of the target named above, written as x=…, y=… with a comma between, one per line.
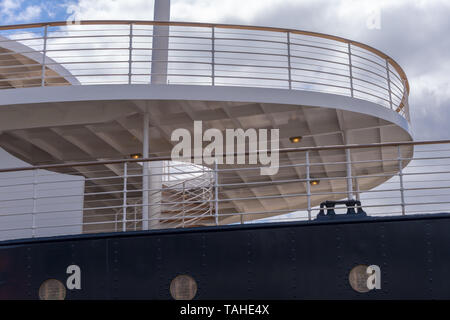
x=400, y=175
x=358, y=197
x=348, y=160
x=289, y=59
x=216, y=193
x=44, y=54
x=116, y=216
x=124, y=205
x=183, y=199
x=308, y=185
x=155, y=187
x=213, y=61
x=135, y=217
x=350, y=68
x=389, y=83
x=130, y=56
x=145, y=176
x=33, y=215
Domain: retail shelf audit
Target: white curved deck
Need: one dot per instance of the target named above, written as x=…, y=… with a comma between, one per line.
x=104, y=93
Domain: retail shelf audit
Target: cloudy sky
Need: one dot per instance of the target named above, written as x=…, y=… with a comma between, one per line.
x=413, y=32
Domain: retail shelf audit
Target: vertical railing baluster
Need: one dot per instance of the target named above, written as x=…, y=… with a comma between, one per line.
x=350, y=69
x=44, y=54
x=216, y=193
x=389, y=83
x=289, y=59
x=210, y=195
x=130, y=54
x=183, y=201
x=405, y=100
x=135, y=217
x=358, y=196
x=308, y=185
x=400, y=175
x=116, y=217
x=34, y=212
x=348, y=159
x=124, y=206
x=213, y=58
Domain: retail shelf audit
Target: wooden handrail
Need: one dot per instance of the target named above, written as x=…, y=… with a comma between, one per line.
x=281, y=151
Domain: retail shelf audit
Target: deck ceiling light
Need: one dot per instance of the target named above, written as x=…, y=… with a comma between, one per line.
x=295, y=139
x=135, y=156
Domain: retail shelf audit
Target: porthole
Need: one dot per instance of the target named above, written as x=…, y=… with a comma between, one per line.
x=358, y=278
x=183, y=287
x=52, y=289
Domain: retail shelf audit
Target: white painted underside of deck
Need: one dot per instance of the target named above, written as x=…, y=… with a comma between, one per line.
x=59, y=124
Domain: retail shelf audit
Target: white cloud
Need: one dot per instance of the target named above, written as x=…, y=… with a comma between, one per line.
x=114, y=9
x=12, y=11
x=218, y=11
x=236, y=10
x=30, y=13
x=7, y=7
x=181, y=10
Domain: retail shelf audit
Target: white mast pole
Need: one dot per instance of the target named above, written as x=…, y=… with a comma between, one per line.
x=160, y=43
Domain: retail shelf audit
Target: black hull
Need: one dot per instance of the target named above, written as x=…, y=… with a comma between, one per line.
x=301, y=260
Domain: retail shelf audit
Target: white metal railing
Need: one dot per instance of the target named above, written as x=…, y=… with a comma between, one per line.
x=92, y=198
x=120, y=52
